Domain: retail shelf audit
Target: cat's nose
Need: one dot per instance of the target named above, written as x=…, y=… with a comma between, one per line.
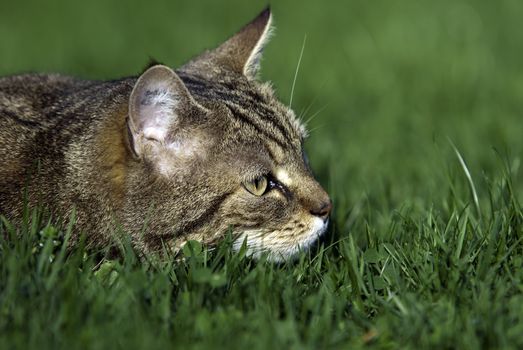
x=314, y=199
x=322, y=209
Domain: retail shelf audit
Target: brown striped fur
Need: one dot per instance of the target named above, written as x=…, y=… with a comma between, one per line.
x=166, y=156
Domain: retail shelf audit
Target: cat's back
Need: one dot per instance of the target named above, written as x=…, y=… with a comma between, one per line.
x=41, y=114
x=25, y=100
x=34, y=103
x=49, y=128
x=26, y=105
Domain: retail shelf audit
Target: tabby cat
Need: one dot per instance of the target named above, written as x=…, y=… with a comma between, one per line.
x=166, y=157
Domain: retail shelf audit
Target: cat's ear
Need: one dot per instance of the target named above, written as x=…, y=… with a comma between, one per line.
x=242, y=52
x=158, y=102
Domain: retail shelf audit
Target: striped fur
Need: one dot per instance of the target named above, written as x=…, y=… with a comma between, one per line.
x=82, y=144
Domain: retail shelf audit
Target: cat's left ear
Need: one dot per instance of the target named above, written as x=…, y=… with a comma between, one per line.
x=242, y=52
x=158, y=106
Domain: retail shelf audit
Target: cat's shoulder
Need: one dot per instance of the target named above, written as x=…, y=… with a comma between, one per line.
x=50, y=90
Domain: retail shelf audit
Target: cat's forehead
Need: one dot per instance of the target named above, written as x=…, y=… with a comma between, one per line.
x=252, y=159
x=252, y=109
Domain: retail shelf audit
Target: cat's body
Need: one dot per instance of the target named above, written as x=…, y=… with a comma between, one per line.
x=165, y=156
x=64, y=138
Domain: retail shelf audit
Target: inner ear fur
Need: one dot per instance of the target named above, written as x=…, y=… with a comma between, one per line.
x=158, y=103
x=242, y=52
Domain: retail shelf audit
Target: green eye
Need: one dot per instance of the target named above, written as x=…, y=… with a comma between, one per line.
x=257, y=186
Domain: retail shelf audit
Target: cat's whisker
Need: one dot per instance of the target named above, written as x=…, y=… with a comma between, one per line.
x=297, y=70
x=316, y=128
x=304, y=112
x=309, y=106
x=315, y=114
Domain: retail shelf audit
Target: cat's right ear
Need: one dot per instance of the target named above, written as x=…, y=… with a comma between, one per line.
x=158, y=102
x=242, y=52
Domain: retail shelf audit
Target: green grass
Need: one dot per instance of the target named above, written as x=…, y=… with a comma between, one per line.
x=411, y=259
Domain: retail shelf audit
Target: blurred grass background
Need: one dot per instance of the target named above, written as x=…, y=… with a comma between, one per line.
x=388, y=84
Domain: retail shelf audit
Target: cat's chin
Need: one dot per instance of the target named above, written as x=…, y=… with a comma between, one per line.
x=278, y=249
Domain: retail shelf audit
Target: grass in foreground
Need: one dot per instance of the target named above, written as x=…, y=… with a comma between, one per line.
x=449, y=277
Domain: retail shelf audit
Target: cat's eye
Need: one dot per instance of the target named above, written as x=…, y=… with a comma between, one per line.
x=257, y=186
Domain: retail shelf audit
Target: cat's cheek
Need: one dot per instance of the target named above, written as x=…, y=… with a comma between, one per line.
x=300, y=241
x=281, y=245
x=316, y=230
x=272, y=212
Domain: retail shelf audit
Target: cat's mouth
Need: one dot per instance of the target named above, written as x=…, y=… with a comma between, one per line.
x=282, y=245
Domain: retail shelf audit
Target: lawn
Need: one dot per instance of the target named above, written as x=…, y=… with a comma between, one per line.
x=416, y=119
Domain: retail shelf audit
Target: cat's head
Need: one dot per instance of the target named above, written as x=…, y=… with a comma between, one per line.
x=222, y=153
